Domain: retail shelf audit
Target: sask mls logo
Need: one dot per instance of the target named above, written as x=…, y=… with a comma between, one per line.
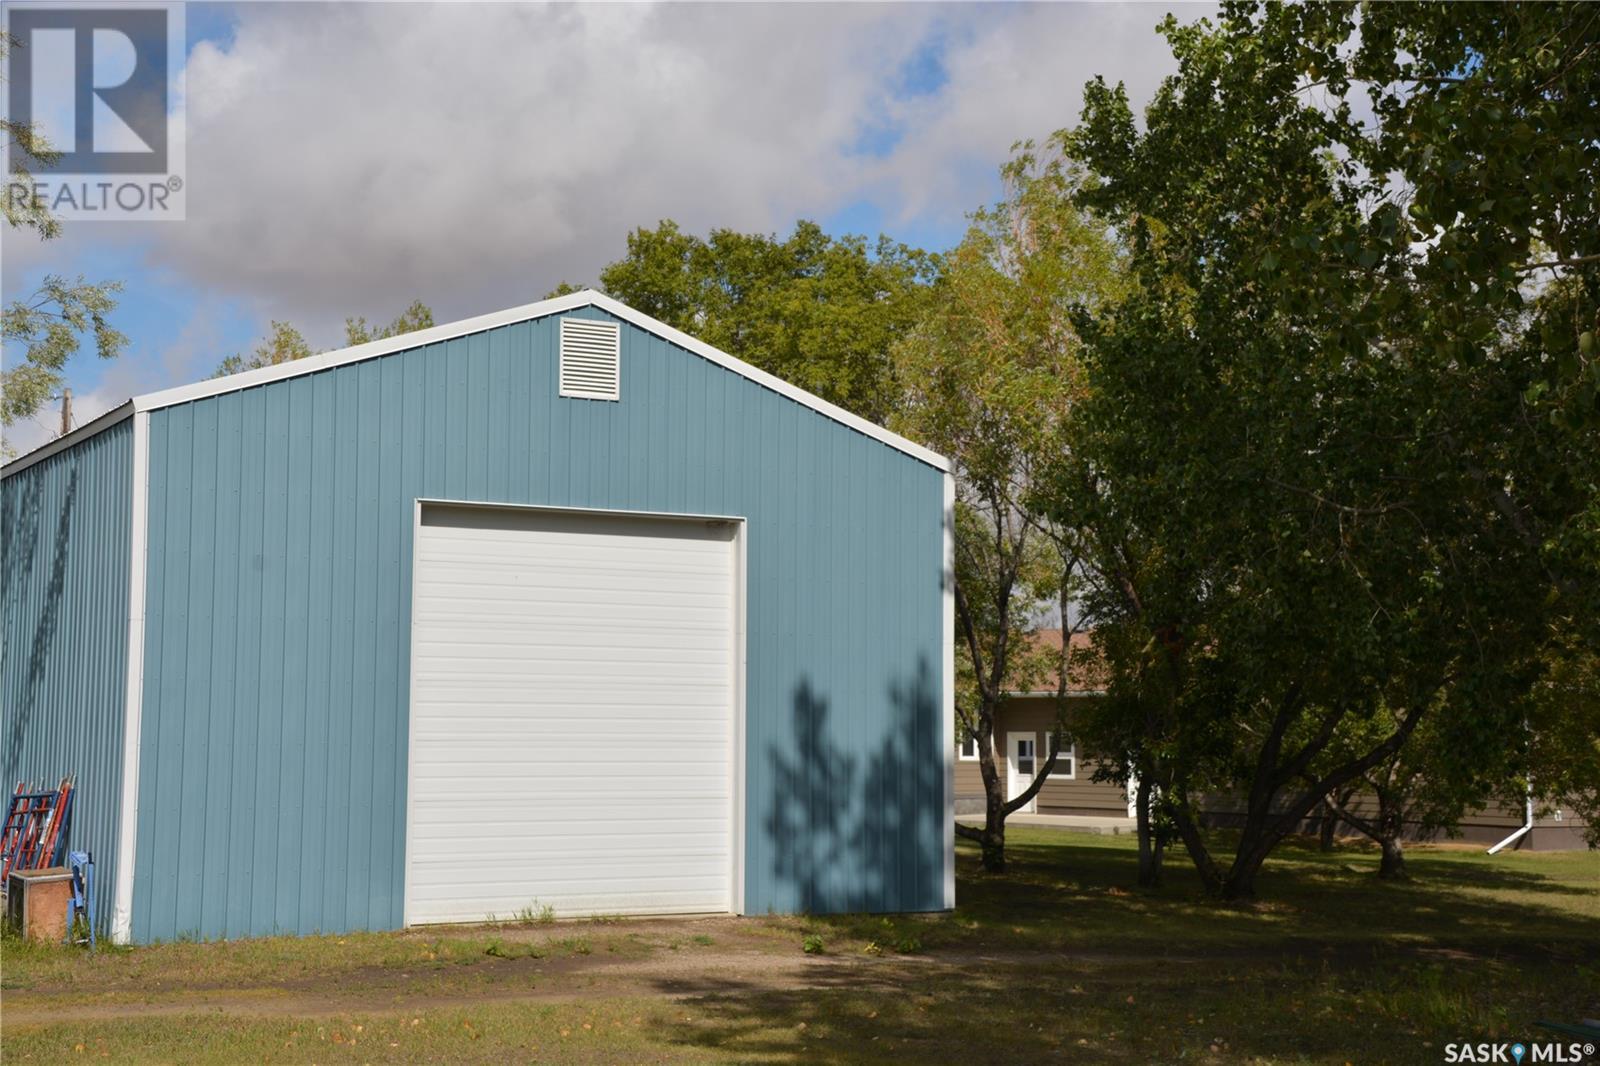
x=1520, y=1054
x=96, y=85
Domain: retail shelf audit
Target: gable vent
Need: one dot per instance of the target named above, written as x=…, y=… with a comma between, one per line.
x=591, y=359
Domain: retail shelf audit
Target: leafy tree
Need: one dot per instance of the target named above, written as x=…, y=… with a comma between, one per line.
x=1422, y=786
x=1549, y=752
x=416, y=316
x=818, y=311
x=284, y=343
x=47, y=323
x=990, y=376
x=1336, y=410
x=1559, y=743
x=1132, y=726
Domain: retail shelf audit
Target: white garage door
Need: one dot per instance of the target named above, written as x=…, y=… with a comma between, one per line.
x=572, y=715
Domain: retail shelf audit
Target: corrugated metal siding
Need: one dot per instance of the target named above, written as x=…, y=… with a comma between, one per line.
x=272, y=787
x=64, y=538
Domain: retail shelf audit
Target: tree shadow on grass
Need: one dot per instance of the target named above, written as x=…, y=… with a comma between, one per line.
x=1334, y=966
x=1080, y=892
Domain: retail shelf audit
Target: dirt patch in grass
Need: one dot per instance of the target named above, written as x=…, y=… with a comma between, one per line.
x=530, y=980
x=1062, y=959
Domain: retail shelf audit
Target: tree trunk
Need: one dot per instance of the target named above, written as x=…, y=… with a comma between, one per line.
x=1199, y=854
x=1332, y=815
x=993, y=844
x=1391, y=827
x=1392, y=867
x=1150, y=844
x=1325, y=831
x=1240, y=882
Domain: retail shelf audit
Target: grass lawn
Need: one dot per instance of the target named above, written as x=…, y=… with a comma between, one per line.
x=1060, y=960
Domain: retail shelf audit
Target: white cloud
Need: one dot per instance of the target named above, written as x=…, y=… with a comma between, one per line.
x=347, y=159
x=344, y=159
x=350, y=159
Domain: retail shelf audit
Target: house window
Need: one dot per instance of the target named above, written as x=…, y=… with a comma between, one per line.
x=1066, y=759
x=969, y=747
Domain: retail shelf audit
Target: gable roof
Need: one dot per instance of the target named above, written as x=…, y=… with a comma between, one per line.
x=1085, y=672
x=450, y=331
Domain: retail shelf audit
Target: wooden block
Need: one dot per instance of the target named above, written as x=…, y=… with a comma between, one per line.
x=36, y=902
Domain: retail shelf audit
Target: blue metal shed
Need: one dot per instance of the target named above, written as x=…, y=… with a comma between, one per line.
x=659, y=629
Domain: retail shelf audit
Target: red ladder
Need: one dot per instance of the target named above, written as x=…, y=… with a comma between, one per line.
x=33, y=827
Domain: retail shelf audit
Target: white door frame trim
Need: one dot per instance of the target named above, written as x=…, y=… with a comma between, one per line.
x=740, y=539
x=1013, y=773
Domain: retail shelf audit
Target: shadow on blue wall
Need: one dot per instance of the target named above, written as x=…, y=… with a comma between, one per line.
x=22, y=534
x=861, y=830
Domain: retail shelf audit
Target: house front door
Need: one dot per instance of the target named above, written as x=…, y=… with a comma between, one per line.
x=1021, y=764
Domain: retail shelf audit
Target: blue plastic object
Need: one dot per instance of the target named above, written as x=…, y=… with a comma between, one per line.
x=82, y=901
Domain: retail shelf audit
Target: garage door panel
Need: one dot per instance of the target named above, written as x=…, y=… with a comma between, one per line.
x=571, y=739
x=660, y=790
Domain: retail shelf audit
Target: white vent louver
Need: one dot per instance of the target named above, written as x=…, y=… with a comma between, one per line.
x=591, y=358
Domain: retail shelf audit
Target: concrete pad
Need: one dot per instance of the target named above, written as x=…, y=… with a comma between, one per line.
x=1073, y=823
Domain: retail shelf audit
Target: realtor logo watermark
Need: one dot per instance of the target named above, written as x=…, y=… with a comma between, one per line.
x=98, y=84
x=1517, y=1053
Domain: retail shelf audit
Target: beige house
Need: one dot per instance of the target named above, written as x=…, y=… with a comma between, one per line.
x=1023, y=729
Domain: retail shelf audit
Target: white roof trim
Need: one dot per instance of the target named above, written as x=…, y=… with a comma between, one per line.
x=450, y=331
x=761, y=377
x=67, y=440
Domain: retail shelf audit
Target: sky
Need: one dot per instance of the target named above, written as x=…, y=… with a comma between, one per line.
x=345, y=159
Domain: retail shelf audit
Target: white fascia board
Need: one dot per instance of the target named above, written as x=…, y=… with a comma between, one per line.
x=947, y=669
x=450, y=331
x=766, y=380
x=587, y=298
x=67, y=440
x=311, y=364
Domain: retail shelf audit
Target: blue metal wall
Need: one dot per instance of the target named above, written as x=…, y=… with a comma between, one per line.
x=273, y=767
x=64, y=542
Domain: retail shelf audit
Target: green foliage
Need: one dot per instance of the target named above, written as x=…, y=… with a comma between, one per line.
x=284, y=343
x=416, y=316
x=818, y=311
x=991, y=376
x=812, y=944
x=1562, y=731
x=1332, y=418
x=537, y=913
x=26, y=212
x=48, y=323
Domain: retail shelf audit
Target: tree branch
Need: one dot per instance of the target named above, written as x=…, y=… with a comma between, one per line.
x=1548, y=264
x=969, y=832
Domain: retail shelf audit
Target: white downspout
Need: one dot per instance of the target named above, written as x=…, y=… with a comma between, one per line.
x=1527, y=826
